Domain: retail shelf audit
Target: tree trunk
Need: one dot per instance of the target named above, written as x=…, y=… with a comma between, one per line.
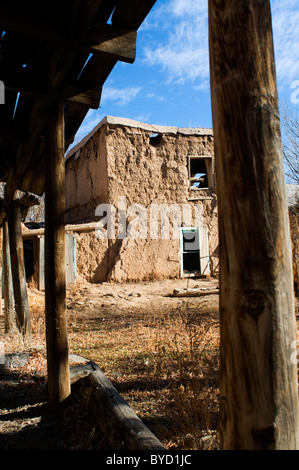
x=55, y=287
x=18, y=268
x=258, y=381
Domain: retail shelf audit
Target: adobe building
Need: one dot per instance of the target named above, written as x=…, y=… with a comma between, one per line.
x=151, y=190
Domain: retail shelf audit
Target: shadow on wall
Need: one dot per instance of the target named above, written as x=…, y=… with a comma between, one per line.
x=101, y=272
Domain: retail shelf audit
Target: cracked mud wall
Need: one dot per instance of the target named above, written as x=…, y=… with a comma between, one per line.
x=146, y=175
x=86, y=180
x=119, y=160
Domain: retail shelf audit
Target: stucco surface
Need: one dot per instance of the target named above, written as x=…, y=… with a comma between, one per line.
x=120, y=161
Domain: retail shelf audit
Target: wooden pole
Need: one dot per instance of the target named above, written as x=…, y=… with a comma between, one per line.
x=55, y=286
x=7, y=283
x=258, y=379
x=18, y=268
x=1, y=266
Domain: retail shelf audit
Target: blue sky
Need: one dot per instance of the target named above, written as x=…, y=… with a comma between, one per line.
x=168, y=84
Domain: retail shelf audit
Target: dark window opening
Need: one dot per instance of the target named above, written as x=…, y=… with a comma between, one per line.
x=155, y=140
x=200, y=172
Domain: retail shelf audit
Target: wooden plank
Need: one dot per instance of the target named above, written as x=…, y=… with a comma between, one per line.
x=103, y=37
x=64, y=55
x=88, y=95
x=128, y=14
x=7, y=284
x=258, y=379
x=119, y=42
x=38, y=260
x=79, y=372
x=70, y=261
x=55, y=287
x=68, y=228
x=1, y=268
x=118, y=417
x=61, y=61
x=195, y=292
x=204, y=250
x=39, y=266
x=131, y=13
x=18, y=269
x=13, y=21
x=28, y=81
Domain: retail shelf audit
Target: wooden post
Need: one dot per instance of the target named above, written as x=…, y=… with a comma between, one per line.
x=1, y=266
x=55, y=288
x=18, y=268
x=258, y=379
x=7, y=283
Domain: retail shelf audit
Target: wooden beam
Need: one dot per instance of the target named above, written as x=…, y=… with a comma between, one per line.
x=195, y=292
x=18, y=269
x=117, y=418
x=119, y=42
x=7, y=284
x=13, y=21
x=14, y=131
x=258, y=379
x=24, y=81
x=55, y=283
x=61, y=61
x=131, y=13
x=88, y=227
x=85, y=94
x=102, y=37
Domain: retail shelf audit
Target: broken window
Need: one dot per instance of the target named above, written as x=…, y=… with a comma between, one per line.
x=155, y=139
x=200, y=172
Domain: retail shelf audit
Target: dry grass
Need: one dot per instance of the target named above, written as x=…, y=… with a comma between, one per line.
x=165, y=366
x=164, y=361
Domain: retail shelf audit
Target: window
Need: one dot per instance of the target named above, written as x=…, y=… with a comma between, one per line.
x=155, y=140
x=200, y=170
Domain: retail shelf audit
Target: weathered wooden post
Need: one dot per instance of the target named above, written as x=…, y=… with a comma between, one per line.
x=18, y=268
x=7, y=283
x=55, y=287
x=1, y=265
x=258, y=381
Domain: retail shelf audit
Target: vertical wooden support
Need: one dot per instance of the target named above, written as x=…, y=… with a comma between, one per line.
x=1, y=266
x=55, y=287
x=39, y=262
x=258, y=379
x=18, y=268
x=7, y=283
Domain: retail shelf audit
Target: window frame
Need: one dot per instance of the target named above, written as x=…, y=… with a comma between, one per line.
x=209, y=168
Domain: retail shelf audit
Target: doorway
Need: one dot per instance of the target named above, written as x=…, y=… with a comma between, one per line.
x=194, y=251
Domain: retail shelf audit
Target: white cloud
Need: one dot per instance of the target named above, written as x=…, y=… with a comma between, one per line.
x=142, y=117
x=183, y=53
x=154, y=96
x=285, y=18
x=121, y=96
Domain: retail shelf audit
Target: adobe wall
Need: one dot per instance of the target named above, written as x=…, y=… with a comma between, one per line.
x=86, y=180
x=119, y=160
x=148, y=174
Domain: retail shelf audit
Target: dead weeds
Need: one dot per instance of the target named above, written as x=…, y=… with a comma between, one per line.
x=160, y=352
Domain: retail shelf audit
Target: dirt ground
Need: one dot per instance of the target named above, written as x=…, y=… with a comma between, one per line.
x=26, y=422
x=105, y=321
x=149, y=297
